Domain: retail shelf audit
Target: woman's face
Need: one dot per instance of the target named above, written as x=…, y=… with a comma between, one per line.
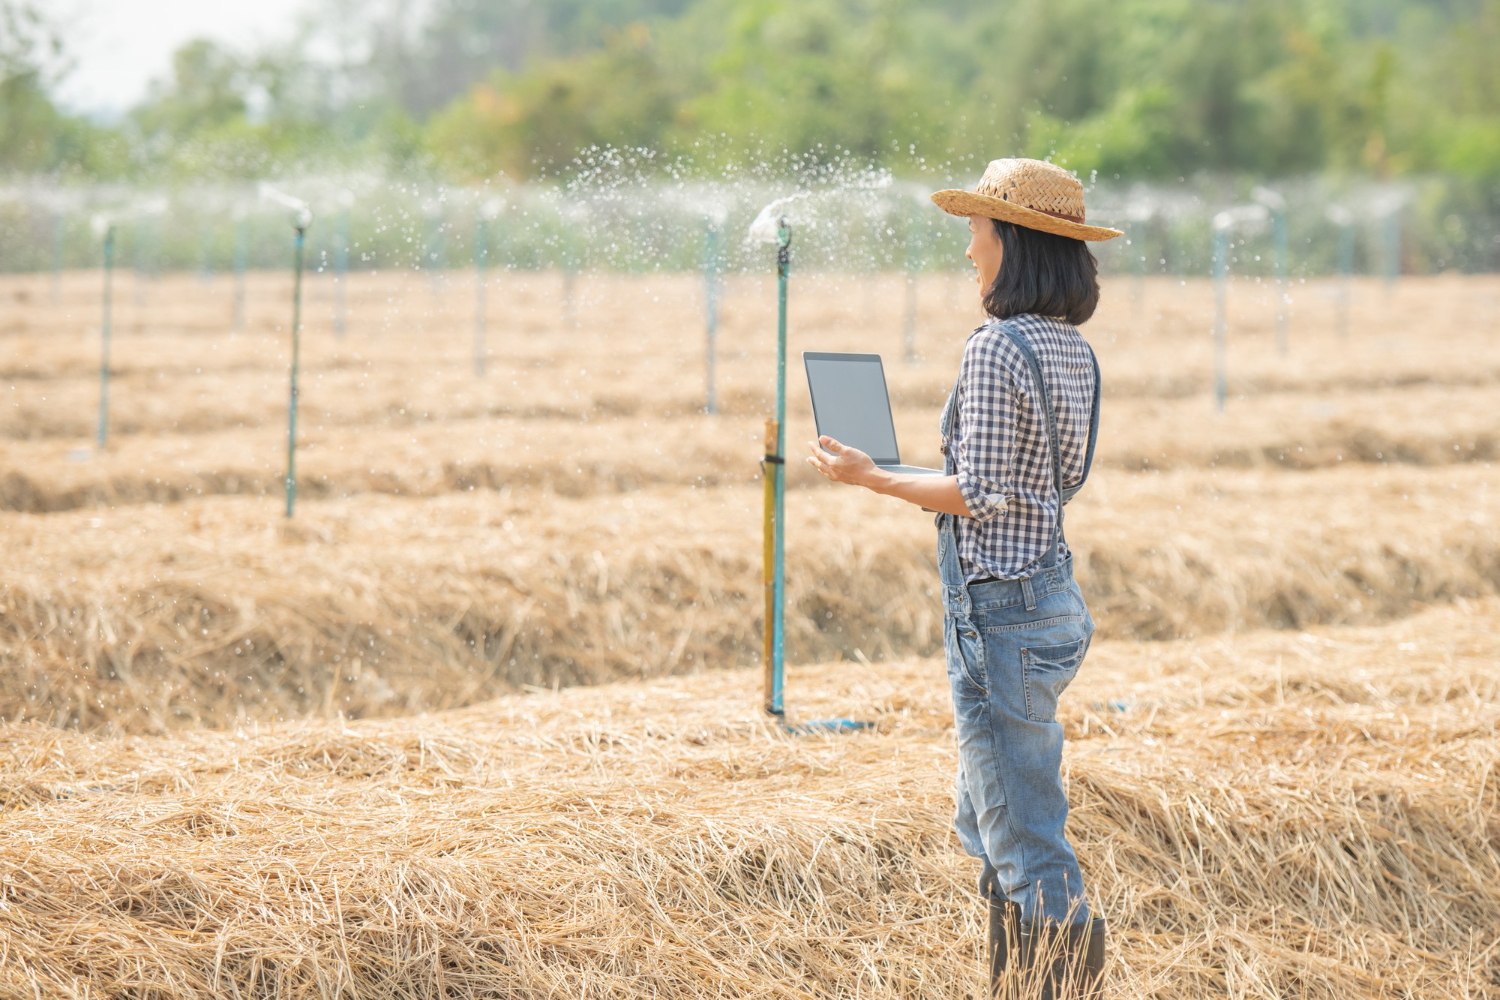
x=984, y=250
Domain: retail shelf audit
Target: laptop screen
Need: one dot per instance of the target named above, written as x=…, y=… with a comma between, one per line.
x=850, y=403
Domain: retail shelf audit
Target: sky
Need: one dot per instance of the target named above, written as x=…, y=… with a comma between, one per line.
x=119, y=46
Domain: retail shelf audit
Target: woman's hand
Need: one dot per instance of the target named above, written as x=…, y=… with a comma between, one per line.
x=846, y=465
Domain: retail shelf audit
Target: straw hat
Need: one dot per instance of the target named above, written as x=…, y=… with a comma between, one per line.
x=1029, y=193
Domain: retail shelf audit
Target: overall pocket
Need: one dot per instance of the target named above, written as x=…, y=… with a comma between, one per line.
x=1046, y=673
x=965, y=653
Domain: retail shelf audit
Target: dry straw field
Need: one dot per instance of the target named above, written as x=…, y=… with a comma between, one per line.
x=473, y=723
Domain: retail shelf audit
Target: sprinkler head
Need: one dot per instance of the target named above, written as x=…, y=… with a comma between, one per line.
x=1271, y=199
x=301, y=212
x=1241, y=215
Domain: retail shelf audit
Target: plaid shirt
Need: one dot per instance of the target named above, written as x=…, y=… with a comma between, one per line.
x=999, y=444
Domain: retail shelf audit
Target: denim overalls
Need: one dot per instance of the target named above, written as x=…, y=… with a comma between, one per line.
x=1012, y=647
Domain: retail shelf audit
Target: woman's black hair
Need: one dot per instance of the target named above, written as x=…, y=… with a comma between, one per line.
x=1044, y=274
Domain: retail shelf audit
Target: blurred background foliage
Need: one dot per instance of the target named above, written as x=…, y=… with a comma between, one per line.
x=470, y=89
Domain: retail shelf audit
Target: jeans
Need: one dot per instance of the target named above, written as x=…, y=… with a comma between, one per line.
x=1007, y=664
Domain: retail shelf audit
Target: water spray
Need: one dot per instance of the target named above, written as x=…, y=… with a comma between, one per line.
x=301, y=219
x=1276, y=205
x=104, y=228
x=1344, y=220
x=488, y=212
x=1224, y=224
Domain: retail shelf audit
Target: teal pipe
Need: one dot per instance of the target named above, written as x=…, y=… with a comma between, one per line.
x=778, y=467
x=57, y=256
x=341, y=274
x=913, y=270
x=1346, y=275
x=711, y=315
x=1391, y=240
x=1221, y=315
x=1279, y=248
x=291, y=413
x=241, y=264
x=481, y=278
x=109, y=270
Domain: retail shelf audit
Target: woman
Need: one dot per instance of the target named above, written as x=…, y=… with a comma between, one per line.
x=1016, y=627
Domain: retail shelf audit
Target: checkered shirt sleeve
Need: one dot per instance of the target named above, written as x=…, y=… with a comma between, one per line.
x=1000, y=448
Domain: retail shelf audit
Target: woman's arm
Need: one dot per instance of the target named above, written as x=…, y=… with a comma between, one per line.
x=852, y=466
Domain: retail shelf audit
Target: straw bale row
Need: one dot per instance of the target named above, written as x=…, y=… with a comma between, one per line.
x=215, y=610
x=612, y=454
x=640, y=354
x=1279, y=814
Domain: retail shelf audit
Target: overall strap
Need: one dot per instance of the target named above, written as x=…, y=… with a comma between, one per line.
x=1088, y=455
x=948, y=422
x=1055, y=439
x=1068, y=492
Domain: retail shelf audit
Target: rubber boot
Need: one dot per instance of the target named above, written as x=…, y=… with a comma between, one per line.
x=1077, y=968
x=1069, y=969
x=1005, y=919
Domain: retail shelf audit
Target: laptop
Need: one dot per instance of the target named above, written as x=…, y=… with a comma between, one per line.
x=850, y=404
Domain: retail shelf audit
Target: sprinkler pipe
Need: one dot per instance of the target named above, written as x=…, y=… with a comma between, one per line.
x=1390, y=240
x=301, y=219
x=776, y=462
x=774, y=571
x=146, y=236
x=1276, y=205
x=1138, y=215
x=1344, y=220
x=434, y=258
x=106, y=229
x=487, y=213
x=57, y=256
x=1224, y=225
x=1222, y=235
x=341, y=266
x=913, y=270
x=205, y=254
x=241, y=264
x=710, y=314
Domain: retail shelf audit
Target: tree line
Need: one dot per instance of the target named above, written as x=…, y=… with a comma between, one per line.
x=1127, y=89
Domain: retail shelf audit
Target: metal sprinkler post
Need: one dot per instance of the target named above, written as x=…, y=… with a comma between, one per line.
x=913, y=271
x=1344, y=220
x=710, y=314
x=1224, y=224
x=241, y=264
x=774, y=470
x=1390, y=242
x=341, y=265
x=1221, y=310
x=774, y=576
x=107, y=230
x=301, y=219
x=487, y=213
x=57, y=256
x=1276, y=205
